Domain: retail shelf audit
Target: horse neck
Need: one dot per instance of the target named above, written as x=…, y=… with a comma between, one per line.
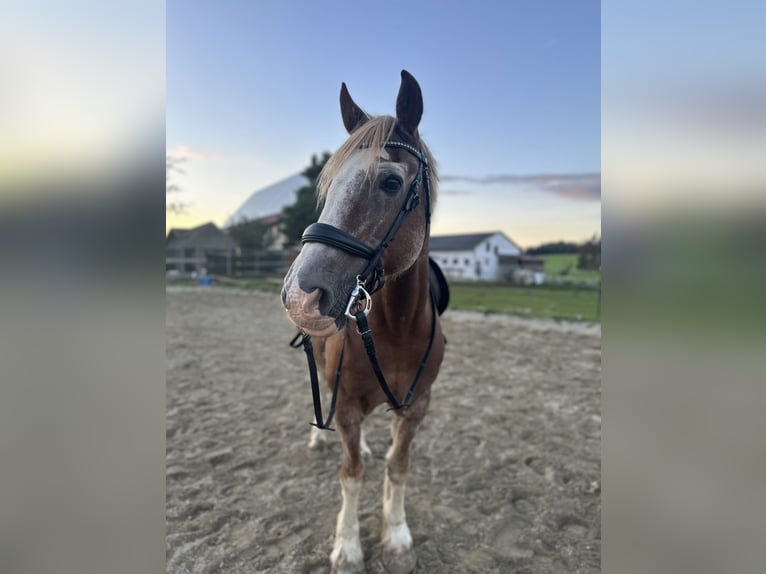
x=404, y=298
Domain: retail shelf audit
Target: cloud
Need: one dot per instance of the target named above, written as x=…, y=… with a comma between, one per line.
x=454, y=192
x=183, y=152
x=701, y=108
x=577, y=186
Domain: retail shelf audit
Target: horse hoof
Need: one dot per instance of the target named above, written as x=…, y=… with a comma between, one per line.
x=348, y=562
x=346, y=568
x=401, y=562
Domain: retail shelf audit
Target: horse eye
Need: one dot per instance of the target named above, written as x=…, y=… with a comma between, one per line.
x=391, y=184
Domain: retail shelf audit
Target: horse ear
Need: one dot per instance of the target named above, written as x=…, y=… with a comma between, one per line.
x=353, y=115
x=409, y=104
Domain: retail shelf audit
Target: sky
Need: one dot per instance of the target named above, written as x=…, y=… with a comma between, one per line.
x=683, y=105
x=511, y=94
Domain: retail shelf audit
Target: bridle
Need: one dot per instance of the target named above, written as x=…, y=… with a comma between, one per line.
x=370, y=280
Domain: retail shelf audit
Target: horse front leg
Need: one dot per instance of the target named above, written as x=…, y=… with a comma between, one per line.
x=347, y=556
x=398, y=553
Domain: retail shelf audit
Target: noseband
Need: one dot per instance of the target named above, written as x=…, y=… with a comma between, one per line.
x=372, y=279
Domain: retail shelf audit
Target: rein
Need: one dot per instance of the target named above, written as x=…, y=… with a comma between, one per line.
x=368, y=282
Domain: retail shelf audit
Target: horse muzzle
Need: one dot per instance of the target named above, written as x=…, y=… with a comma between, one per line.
x=303, y=310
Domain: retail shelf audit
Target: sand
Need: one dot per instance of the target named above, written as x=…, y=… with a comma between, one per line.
x=505, y=471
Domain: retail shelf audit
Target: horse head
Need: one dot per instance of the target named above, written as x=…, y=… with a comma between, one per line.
x=375, y=186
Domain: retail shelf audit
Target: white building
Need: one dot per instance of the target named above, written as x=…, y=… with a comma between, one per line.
x=473, y=256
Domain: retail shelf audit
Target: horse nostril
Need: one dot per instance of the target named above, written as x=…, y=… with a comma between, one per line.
x=320, y=293
x=326, y=302
x=318, y=301
x=284, y=295
x=311, y=301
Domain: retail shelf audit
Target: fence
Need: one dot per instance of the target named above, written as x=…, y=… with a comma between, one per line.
x=252, y=264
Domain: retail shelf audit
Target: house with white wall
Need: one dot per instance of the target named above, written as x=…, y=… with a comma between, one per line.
x=473, y=256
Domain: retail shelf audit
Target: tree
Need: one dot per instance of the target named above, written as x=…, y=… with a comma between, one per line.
x=304, y=212
x=554, y=248
x=252, y=234
x=590, y=254
x=173, y=165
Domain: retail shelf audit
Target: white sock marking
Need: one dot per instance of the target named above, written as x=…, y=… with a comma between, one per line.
x=347, y=545
x=397, y=535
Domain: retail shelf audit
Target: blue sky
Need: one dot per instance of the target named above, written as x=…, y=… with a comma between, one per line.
x=511, y=92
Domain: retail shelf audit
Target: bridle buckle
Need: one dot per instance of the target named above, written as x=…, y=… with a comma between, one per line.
x=357, y=295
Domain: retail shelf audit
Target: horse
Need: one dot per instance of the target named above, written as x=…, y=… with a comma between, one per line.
x=368, y=313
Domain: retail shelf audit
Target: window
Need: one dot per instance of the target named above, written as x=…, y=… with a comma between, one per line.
x=488, y=246
x=496, y=249
x=455, y=261
x=467, y=261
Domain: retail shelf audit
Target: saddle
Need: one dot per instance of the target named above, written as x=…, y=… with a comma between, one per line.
x=438, y=286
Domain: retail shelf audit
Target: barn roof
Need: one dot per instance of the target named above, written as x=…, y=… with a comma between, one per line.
x=206, y=236
x=463, y=242
x=269, y=200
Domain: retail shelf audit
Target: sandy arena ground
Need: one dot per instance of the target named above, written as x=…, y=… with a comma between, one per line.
x=505, y=471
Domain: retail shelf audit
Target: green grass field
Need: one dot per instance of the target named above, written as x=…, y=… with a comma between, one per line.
x=557, y=303
x=553, y=302
x=557, y=263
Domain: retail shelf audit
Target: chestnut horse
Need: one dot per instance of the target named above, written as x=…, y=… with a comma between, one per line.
x=377, y=186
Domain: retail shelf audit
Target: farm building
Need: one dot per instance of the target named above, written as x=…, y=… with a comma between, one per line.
x=266, y=205
x=522, y=269
x=194, y=251
x=489, y=256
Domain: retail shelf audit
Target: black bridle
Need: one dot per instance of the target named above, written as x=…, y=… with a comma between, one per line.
x=370, y=280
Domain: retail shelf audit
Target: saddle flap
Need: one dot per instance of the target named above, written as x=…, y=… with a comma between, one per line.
x=437, y=283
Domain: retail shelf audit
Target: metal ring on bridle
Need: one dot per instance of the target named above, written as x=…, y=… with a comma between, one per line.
x=358, y=291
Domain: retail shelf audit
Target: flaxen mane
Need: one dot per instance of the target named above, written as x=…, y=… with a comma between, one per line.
x=369, y=136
